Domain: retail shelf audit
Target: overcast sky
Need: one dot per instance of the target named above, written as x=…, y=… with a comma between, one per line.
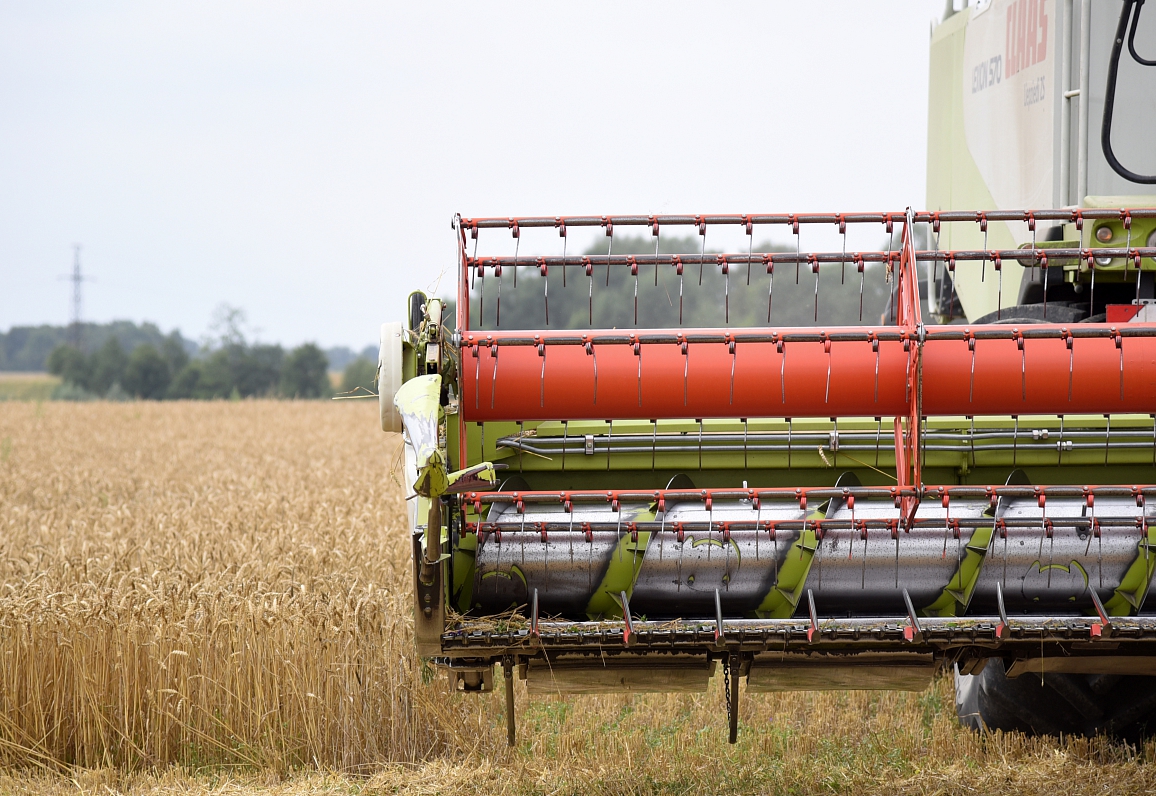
x=302, y=161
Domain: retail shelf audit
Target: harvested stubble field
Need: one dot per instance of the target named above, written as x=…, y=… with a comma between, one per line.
x=214, y=597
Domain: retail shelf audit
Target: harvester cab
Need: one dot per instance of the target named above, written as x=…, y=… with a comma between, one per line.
x=630, y=477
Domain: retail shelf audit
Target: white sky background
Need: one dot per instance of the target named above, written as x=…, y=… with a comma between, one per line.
x=302, y=160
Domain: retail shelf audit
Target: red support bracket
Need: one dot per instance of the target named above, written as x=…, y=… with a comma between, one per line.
x=907, y=440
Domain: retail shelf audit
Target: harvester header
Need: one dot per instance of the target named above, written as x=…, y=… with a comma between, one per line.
x=826, y=503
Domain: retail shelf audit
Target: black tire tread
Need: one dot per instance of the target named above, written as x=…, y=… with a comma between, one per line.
x=1057, y=704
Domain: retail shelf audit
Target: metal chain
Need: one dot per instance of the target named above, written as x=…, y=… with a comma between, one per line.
x=727, y=688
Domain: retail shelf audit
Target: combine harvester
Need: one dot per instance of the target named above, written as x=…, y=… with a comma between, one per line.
x=965, y=483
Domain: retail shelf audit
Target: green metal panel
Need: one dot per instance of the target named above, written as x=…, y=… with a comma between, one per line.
x=953, y=179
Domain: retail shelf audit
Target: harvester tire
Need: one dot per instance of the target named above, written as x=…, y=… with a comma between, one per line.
x=1057, y=704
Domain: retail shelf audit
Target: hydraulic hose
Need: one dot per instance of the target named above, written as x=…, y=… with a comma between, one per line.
x=1130, y=15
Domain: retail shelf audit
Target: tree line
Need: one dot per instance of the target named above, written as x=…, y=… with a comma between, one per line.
x=703, y=295
x=226, y=365
x=236, y=370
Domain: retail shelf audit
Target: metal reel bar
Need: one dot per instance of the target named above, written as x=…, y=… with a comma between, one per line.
x=804, y=496
x=471, y=225
x=1040, y=437
x=1027, y=257
x=806, y=373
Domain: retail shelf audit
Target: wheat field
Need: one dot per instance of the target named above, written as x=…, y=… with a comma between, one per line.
x=214, y=598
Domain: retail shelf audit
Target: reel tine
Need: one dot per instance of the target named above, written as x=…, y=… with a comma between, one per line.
x=727, y=289
x=875, y=347
x=935, y=261
x=1051, y=537
x=474, y=277
x=1120, y=348
x=999, y=290
x=542, y=376
x=843, y=259
x=1023, y=364
x=798, y=247
x=680, y=277
x=517, y=247
x=594, y=357
x=734, y=356
x=827, y=391
x=1070, y=341
x=951, y=303
x=815, y=271
x=1086, y=254
x=770, y=284
x=1092, y=289
x=971, y=343
x=494, y=379
x=1139, y=273
x=565, y=240
x=590, y=295
x=1044, y=268
x=1035, y=254
x=983, y=264
x=859, y=266
x=702, y=253
x=685, y=369
x=634, y=271
x=1128, y=229
x=888, y=270
x=750, y=247
x=654, y=230
x=895, y=293
x=609, y=249
x=498, y=274
x=545, y=287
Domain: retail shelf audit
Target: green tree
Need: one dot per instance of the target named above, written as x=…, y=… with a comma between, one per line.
x=256, y=369
x=173, y=350
x=306, y=373
x=187, y=382
x=108, y=366
x=147, y=374
x=361, y=372
x=70, y=365
x=216, y=375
